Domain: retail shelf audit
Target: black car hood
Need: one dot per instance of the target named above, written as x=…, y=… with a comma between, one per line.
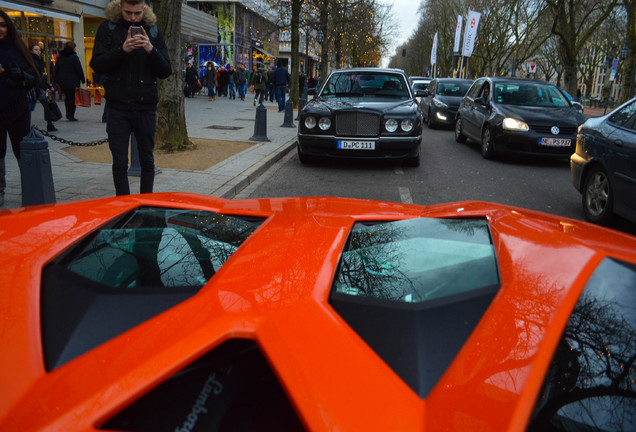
x=451, y=101
x=543, y=115
x=381, y=105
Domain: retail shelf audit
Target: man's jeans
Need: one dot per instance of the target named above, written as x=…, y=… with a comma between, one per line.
x=120, y=124
x=280, y=97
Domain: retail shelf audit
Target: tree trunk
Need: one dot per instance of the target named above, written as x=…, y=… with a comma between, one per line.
x=295, y=21
x=172, y=134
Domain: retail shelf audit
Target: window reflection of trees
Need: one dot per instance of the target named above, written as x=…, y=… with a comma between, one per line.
x=163, y=248
x=373, y=265
x=591, y=382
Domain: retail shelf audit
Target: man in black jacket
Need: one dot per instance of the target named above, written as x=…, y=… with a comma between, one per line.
x=130, y=50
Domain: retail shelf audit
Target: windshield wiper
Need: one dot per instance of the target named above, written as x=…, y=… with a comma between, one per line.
x=349, y=94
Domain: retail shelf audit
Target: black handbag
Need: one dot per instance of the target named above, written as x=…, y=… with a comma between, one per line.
x=52, y=111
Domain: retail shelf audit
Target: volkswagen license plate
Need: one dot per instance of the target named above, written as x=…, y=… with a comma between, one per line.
x=356, y=145
x=555, y=142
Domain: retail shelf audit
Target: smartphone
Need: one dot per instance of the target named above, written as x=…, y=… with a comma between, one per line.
x=135, y=30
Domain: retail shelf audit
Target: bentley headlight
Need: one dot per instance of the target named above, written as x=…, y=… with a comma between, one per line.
x=391, y=125
x=324, y=123
x=510, y=123
x=310, y=122
x=406, y=125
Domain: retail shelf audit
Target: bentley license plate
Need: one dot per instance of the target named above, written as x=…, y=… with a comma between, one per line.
x=555, y=142
x=356, y=145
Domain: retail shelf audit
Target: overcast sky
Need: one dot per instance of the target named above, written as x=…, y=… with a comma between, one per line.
x=405, y=13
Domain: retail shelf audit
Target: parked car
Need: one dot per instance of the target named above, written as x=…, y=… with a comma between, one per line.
x=368, y=113
x=518, y=116
x=441, y=101
x=177, y=311
x=604, y=165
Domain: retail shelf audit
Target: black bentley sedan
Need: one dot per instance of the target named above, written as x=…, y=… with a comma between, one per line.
x=366, y=113
x=518, y=116
x=442, y=99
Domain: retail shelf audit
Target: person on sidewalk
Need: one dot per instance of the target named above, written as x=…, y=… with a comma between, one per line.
x=241, y=81
x=191, y=80
x=209, y=80
x=281, y=81
x=130, y=50
x=231, y=74
x=270, y=92
x=43, y=89
x=69, y=74
x=17, y=75
x=259, y=81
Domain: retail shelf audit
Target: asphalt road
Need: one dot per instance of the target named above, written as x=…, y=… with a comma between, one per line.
x=449, y=172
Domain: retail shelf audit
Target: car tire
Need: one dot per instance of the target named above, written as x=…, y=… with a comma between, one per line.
x=431, y=122
x=487, y=144
x=459, y=136
x=597, y=197
x=304, y=159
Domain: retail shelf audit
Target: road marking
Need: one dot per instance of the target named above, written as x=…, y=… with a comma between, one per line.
x=405, y=195
x=399, y=170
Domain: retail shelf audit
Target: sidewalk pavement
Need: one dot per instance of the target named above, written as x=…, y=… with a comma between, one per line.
x=75, y=179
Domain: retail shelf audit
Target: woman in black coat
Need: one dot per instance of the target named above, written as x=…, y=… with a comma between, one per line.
x=68, y=75
x=17, y=76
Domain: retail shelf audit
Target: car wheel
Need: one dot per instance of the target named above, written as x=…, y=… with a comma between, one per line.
x=598, y=198
x=304, y=159
x=431, y=122
x=487, y=146
x=459, y=136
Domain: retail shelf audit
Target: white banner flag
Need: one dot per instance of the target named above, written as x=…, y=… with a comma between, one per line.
x=458, y=34
x=434, y=50
x=471, y=33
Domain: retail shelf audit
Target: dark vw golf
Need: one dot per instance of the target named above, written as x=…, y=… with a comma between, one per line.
x=366, y=113
x=518, y=116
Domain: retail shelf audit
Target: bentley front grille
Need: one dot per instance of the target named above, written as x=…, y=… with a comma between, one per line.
x=357, y=124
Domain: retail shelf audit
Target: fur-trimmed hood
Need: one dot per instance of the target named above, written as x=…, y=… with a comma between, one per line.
x=113, y=13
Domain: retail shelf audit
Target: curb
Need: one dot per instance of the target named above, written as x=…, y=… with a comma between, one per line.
x=239, y=182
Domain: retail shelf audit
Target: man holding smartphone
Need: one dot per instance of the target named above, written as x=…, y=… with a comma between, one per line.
x=130, y=50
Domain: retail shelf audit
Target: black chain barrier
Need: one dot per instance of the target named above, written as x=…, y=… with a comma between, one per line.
x=69, y=142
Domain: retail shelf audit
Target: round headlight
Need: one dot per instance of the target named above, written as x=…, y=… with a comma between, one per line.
x=324, y=123
x=310, y=122
x=407, y=125
x=391, y=125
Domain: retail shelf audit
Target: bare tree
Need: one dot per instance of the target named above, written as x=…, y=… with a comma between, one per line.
x=574, y=22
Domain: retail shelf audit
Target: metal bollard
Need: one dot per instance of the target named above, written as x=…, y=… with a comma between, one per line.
x=289, y=114
x=260, y=125
x=35, y=170
x=135, y=167
x=301, y=104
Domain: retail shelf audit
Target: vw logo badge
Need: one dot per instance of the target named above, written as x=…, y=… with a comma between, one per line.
x=555, y=130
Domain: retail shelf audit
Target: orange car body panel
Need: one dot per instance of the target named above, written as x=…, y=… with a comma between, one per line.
x=274, y=290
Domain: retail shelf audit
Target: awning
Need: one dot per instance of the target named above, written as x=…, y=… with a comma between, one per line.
x=40, y=11
x=199, y=26
x=262, y=51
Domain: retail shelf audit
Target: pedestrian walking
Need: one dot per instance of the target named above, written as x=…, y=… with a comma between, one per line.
x=281, y=81
x=259, y=81
x=17, y=75
x=69, y=74
x=224, y=81
x=241, y=81
x=43, y=89
x=271, y=85
x=191, y=81
x=209, y=80
x=232, y=82
x=130, y=50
